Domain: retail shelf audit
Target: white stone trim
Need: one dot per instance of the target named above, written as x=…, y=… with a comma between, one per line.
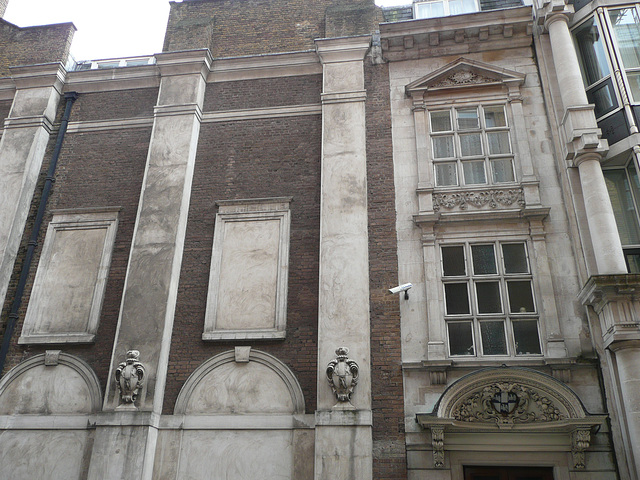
x=249, y=210
x=78, y=365
x=269, y=361
x=64, y=220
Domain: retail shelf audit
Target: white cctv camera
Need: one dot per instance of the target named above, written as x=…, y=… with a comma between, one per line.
x=402, y=288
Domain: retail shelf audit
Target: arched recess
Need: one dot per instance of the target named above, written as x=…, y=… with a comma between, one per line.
x=537, y=412
x=231, y=384
x=52, y=383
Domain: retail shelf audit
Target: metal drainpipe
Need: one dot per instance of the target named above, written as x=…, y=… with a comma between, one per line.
x=33, y=240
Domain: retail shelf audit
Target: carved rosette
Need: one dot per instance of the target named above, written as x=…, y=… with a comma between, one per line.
x=507, y=404
x=130, y=376
x=342, y=374
x=479, y=199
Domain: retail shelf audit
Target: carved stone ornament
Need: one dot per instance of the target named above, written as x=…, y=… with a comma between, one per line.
x=130, y=376
x=507, y=404
x=342, y=374
x=437, y=443
x=463, y=77
x=580, y=440
x=478, y=199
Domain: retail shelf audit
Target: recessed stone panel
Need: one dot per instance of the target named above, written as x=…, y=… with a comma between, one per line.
x=69, y=286
x=249, y=270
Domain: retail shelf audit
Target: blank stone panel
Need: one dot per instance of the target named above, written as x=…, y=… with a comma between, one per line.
x=71, y=278
x=247, y=295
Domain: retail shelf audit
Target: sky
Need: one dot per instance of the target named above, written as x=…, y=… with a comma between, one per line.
x=106, y=29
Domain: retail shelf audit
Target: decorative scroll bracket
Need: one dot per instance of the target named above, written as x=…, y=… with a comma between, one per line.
x=580, y=440
x=437, y=442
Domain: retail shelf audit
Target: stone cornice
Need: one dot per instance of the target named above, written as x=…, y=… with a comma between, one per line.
x=7, y=88
x=123, y=78
x=459, y=34
x=265, y=66
x=187, y=62
x=344, y=49
x=601, y=289
x=38, y=76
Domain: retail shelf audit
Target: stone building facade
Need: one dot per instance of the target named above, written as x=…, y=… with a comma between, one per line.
x=197, y=247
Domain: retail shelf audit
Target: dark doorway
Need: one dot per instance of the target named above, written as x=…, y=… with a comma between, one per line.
x=508, y=473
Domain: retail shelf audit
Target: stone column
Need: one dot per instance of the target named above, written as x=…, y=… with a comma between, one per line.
x=343, y=448
x=149, y=298
x=583, y=140
x=22, y=148
x=614, y=299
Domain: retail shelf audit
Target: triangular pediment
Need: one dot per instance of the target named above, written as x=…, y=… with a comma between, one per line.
x=464, y=73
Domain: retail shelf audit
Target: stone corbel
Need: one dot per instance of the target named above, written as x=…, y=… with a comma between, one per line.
x=580, y=440
x=437, y=443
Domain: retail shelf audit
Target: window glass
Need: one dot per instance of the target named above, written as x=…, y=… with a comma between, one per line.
x=484, y=259
x=494, y=341
x=502, y=170
x=591, y=53
x=498, y=143
x=488, y=297
x=515, y=258
x=441, y=121
x=502, y=297
x=634, y=84
x=526, y=337
x=457, y=298
x=603, y=98
x=453, y=261
x=471, y=145
x=520, y=296
x=430, y=10
x=474, y=172
x=468, y=118
x=461, y=338
x=627, y=32
x=443, y=146
x=457, y=7
x=446, y=174
x=624, y=206
x=494, y=117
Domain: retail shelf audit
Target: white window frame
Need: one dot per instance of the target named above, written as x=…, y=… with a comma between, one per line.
x=487, y=157
x=445, y=6
x=470, y=279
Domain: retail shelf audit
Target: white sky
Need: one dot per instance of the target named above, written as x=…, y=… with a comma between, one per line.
x=107, y=28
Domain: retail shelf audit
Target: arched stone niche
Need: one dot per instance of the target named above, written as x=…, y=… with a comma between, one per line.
x=53, y=383
x=241, y=382
x=537, y=412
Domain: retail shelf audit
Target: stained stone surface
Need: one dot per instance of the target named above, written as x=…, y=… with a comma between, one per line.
x=241, y=389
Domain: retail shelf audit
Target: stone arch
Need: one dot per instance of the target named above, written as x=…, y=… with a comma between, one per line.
x=230, y=383
x=535, y=385
x=52, y=383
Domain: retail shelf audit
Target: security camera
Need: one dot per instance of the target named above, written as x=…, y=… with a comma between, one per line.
x=402, y=288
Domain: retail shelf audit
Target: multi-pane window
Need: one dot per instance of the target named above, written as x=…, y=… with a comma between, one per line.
x=624, y=191
x=489, y=301
x=471, y=146
x=444, y=8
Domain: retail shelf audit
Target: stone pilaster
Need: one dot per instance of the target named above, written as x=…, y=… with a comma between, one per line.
x=148, y=304
x=616, y=301
x=343, y=429
x=22, y=148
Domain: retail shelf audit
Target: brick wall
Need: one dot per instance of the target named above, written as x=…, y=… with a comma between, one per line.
x=33, y=45
x=263, y=92
x=116, y=104
x=389, y=460
x=253, y=159
x=230, y=28
x=94, y=170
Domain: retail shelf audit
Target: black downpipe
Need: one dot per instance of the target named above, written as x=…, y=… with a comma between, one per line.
x=33, y=240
